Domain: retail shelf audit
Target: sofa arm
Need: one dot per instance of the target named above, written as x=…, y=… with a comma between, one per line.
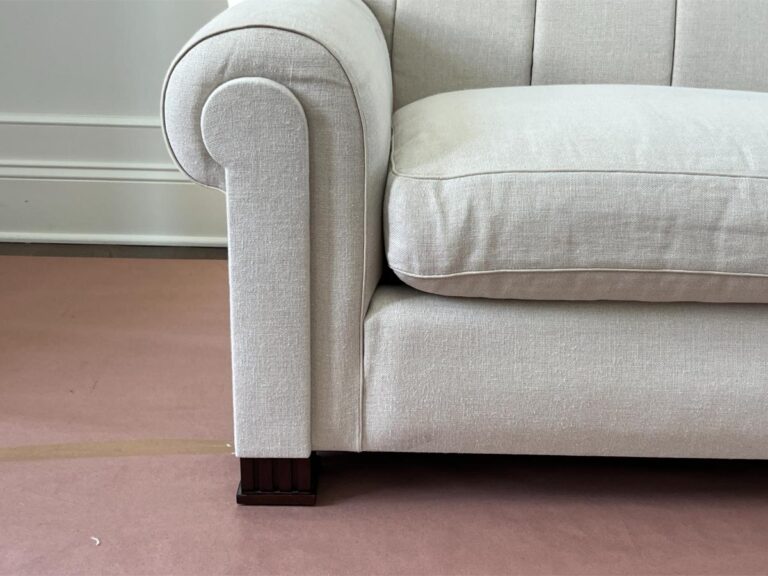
x=286, y=106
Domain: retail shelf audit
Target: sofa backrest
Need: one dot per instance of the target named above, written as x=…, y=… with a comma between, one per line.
x=442, y=45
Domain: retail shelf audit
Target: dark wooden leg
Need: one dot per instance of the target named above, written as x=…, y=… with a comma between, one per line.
x=277, y=482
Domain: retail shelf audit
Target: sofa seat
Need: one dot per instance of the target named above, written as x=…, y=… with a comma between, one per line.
x=609, y=192
x=579, y=378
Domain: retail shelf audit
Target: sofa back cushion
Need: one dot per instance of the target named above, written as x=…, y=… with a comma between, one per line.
x=443, y=45
x=722, y=44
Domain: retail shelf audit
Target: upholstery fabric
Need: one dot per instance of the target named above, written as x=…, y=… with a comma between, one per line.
x=454, y=374
x=255, y=125
x=603, y=42
x=722, y=44
x=384, y=10
x=582, y=193
x=442, y=45
x=579, y=378
x=332, y=56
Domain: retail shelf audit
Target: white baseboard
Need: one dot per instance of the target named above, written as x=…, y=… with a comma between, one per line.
x=79, y=120
x=113, y=239
x=101, y=180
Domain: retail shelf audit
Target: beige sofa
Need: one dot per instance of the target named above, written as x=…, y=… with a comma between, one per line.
x=486, y=226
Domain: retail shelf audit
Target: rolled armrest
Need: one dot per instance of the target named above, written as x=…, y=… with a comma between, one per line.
x=286, y=106
x=243, y=40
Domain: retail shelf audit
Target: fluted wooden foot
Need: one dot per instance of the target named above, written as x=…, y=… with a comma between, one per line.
x=277, y=482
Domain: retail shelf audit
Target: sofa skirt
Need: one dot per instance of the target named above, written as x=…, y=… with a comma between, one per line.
x=461, y=375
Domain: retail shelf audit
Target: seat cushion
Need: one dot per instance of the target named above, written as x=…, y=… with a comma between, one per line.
x=582, y=193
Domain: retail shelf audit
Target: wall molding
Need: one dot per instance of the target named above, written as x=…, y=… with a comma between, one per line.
x=97, y=143
x=90, y=171
x=116, y=239
x=103, y=120
x=82, y=154
x=64, y=142
x=70, y=179
x=111, y=212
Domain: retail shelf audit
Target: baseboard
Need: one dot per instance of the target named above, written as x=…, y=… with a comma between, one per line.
x=124, y=121
x=72, y=179
x=92, y=250
x=129, y=212
x=113, y=239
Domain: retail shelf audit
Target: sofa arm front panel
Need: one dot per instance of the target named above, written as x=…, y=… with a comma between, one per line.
x=256, y=126
x=231, y=108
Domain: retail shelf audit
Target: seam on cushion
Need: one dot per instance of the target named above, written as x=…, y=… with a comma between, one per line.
x=571, y=171
x=361, y=116
x=577, y=270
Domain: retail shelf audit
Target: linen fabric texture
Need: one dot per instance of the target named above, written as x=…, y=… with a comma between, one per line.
x=454, y=374
x=569, y=378
x=722, y=44
x=582, y=193
x=443, y=45
x=256, y=125
x=603, y=42
x=332, y=56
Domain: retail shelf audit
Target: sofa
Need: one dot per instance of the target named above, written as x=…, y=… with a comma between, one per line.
x=485, y=226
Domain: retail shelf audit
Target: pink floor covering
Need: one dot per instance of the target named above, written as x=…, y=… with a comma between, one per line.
x=114, y=424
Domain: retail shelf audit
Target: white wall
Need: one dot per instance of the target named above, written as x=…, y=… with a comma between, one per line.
x=82, y=157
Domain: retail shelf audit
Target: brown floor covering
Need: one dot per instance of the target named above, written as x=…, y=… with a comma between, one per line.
x=115, y=420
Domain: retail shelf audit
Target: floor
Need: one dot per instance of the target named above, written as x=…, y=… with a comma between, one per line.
x=115, y=459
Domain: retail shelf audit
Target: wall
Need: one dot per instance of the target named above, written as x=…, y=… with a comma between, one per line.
x=82, y=157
